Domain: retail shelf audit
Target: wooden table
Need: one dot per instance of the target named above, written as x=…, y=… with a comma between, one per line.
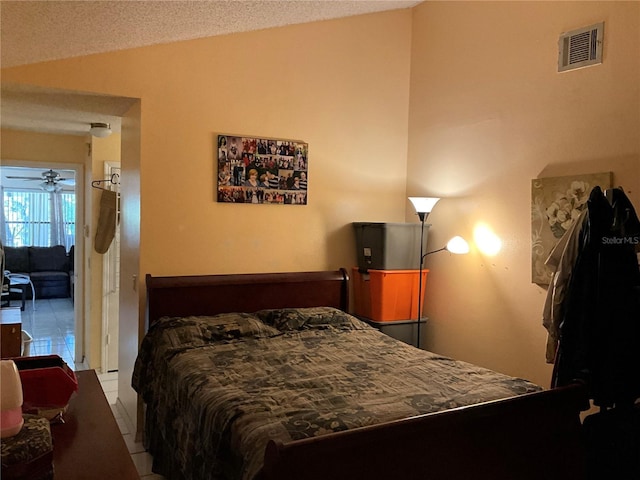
x=11, y=332
x=89, y=445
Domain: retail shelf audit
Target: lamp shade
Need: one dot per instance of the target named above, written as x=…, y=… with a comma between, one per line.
x=11, y=420
x=100, y=130
x=423, y=204
x=457, y=245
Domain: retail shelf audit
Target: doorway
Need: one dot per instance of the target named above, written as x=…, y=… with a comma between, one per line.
x=42, y=203
x=125, y=116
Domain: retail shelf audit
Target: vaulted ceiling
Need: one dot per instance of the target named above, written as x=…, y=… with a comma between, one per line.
x=37, y=31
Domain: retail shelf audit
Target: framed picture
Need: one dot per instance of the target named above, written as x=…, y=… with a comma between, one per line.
x=556, y=202
x=261, y=170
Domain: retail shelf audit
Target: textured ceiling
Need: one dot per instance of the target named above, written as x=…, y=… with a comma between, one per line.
x=37, y=31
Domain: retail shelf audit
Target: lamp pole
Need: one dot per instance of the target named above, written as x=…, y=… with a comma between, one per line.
x=422, y=216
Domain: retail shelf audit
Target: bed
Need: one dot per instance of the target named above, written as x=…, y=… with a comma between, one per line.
x=265, y=377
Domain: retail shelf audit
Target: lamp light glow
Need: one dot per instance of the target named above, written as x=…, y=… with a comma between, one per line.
x=100, y=130
x=457, y=245
x=487, y=241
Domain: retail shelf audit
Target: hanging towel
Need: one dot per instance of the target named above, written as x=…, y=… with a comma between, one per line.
x=107, y=221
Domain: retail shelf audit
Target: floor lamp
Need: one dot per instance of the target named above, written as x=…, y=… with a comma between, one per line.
x=423, y=206
x=457, y=245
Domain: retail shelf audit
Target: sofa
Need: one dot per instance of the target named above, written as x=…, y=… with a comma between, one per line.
x=48, y=268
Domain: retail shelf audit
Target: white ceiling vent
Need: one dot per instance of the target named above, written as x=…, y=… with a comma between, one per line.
x=580, y=48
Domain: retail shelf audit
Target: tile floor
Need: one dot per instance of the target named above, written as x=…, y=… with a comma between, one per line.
x=51, y=326
x=141, y=459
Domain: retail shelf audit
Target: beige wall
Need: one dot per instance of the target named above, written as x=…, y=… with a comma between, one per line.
x=42, y=147
x=489, y=113
x=342, y=86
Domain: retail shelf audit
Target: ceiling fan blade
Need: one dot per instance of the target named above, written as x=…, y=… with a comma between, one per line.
x=49, y=177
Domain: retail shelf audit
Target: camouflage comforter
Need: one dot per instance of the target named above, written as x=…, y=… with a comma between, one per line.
x=218, y=388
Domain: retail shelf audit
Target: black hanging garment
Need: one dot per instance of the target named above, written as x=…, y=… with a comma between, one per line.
x=600, y=330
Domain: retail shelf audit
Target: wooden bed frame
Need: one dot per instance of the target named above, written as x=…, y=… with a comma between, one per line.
x=534, y=436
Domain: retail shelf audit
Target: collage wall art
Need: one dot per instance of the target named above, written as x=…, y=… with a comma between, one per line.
x=262, y=170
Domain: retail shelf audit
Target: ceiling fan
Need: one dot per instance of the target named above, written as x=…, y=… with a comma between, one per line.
x=49, y=180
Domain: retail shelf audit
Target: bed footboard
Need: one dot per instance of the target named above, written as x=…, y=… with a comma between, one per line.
x=534, y=436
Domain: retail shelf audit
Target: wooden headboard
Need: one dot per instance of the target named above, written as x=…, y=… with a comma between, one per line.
x=248, y=292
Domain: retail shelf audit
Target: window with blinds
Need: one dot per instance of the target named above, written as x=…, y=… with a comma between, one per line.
x=40, y=219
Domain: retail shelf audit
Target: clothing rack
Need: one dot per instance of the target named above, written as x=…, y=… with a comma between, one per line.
x=113, y=180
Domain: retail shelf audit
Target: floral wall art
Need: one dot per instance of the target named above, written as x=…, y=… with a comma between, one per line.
x=261, y=170
x=556, y=202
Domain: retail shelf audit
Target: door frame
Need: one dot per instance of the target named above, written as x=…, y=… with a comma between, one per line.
x=107, y=165
x=78, y=262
